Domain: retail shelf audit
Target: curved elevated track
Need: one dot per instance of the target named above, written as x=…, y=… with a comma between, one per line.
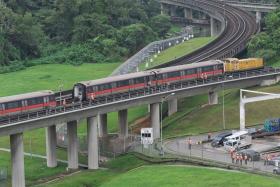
x=240, y=27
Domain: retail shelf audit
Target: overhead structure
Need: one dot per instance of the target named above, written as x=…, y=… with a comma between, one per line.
x=243, y=101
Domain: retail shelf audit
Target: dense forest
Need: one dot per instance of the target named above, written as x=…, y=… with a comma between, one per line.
x=76, y=31
x=267, y=44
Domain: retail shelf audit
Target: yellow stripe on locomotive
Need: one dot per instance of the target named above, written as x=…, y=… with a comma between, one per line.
x=234, y=64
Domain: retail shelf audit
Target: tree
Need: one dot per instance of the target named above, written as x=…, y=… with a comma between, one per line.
x=160, y=24
x=135, y=36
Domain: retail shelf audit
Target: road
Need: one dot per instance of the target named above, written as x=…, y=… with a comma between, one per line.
x=179, y=146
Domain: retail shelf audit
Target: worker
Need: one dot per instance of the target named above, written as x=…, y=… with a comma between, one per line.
x=241, y=158
x=265, y=160
x=190, y=143
x=245, y=159
x=209, y=136
x=237, y=159
x=232, y=157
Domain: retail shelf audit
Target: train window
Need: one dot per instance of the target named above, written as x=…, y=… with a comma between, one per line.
x=1, y=107
x=52, y=98
x=159, y=76
x=35, y=101
x=174, y=74
x=220, y=66
x=123, y=83
x=15, y=104
x=104, y=87
x=90, y=89
x=207, y=68
x=139, y=80
x=190, y=71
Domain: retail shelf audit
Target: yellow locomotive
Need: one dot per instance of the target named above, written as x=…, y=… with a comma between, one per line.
x=234, y=64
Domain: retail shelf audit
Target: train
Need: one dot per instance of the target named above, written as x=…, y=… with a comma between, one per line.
x=90, y=90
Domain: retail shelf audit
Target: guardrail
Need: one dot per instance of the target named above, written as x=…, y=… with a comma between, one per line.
x=262, y=3
x=141, y=93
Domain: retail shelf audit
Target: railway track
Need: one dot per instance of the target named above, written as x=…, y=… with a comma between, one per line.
x=240, y=27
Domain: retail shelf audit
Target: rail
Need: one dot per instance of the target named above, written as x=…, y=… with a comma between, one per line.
x=239, y=28
x=136, y=94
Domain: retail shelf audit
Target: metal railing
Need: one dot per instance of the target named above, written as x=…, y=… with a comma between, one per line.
x=254, y=2
x=138, y=94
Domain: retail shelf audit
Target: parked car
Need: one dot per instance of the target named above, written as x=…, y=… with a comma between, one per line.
x=218, y=140
x=276, y=170
x=251, y=154
x=274, y=160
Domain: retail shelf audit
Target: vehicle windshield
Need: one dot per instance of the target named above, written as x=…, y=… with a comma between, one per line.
x=217, y=138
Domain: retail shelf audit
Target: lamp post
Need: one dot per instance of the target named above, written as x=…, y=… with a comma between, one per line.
x=60, y=91
x=224, y=120
x=162, y=100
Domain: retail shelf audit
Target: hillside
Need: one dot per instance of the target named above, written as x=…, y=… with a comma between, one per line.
x=76, y=31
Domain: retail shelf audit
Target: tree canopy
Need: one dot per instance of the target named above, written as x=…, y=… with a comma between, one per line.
x=267, y=44
x=76, y=31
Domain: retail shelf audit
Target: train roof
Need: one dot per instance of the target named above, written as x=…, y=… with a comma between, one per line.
x=149, y=72
x=26, y=96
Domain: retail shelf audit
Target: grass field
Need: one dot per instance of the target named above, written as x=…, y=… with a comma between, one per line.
x=35, y=168
x=96, y=178
x=178, y=51
x=195, y=117
x=49, y=77
x=180, y=176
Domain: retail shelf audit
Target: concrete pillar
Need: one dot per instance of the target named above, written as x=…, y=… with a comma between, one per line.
x=258, y=17
x=161, y=9
x=242, y=115
x=103, y=131
x=173, y=11
x=123, y=125
x=213, y=98
x=51, y=146
x=17, y=159
x=155, y=119
x=72, y=145
x=215, y=28
x=188, y=13
x=92, y=135
x=172, y=106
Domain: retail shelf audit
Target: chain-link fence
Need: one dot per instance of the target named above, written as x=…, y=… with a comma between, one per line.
x=204, y=154
x=3, y=177
x=132, y=64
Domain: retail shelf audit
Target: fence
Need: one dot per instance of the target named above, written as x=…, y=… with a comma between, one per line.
x=132, y=64
x=3, y=177
x=201, y=153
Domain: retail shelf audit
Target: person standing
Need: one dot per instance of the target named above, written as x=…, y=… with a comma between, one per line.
x=245, y=159
x=233, y=158
x=190, y=143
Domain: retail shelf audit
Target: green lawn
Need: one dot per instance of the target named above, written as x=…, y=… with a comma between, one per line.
x=51, y=76
x=181, y=176
x=178, y=51
x=35, y=168
x=114, y=168
x=48, y=77
x=194, y=117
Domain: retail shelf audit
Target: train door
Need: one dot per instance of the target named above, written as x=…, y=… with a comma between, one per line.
x=24, y=105
x=199, y=72
x=1, y=109
x=79, y=92
x=236, y=65
x=46, y=101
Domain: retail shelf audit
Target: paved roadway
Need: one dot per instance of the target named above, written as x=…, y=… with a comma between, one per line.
x=180, y=147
